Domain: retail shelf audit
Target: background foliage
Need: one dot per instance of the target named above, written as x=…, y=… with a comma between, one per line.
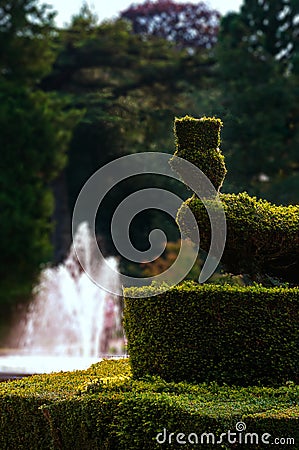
x=74, y=98
x=189, y=25
x=258, y=78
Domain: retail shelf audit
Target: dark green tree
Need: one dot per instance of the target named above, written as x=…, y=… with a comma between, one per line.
x=36, y=128
x=26, y=32
x=258, y=74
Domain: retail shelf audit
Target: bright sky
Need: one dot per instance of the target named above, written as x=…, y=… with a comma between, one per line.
x=110, y=9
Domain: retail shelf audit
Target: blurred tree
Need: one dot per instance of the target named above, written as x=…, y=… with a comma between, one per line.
x=35, y=131
x=26, y=32
x=36, y=128
x=131, y=88
x=166, y=260
x=188, y=25
x=258, y=72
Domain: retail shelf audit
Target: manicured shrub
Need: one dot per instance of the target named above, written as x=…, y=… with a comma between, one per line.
x=203, y=333
x=261, y=237
x=51, y=411
x=197, y=141
x=105, y=408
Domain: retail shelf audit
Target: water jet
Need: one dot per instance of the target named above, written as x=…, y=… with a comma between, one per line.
x=71, y=322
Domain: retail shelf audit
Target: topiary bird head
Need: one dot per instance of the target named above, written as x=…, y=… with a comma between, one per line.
x=197, y=141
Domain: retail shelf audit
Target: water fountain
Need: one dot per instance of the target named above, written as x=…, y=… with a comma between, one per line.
x=70, y=322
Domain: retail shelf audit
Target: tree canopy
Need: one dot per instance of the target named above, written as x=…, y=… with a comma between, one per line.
x=258, y=77
x=131, y=88
x=36, y=128
x=272, y=30
x=189, y=25
x=26, y=29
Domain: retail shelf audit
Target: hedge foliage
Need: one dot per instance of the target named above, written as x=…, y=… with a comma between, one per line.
x=261, y=237
x=204, y=333
x=105, y=408
x=197, y=141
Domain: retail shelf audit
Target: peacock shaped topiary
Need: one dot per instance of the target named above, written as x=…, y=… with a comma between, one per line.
x=262, y=238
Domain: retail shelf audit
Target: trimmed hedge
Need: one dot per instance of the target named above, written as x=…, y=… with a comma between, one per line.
x=197, y=141
x=203, y=333
x=51, y=412
x=261, y=237
x=104, y=408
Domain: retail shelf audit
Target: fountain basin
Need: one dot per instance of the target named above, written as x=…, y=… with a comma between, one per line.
x=16, y=366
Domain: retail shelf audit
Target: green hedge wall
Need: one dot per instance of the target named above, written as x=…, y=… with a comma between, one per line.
x=105, y=408
x=261, y=237
x=202, y=333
